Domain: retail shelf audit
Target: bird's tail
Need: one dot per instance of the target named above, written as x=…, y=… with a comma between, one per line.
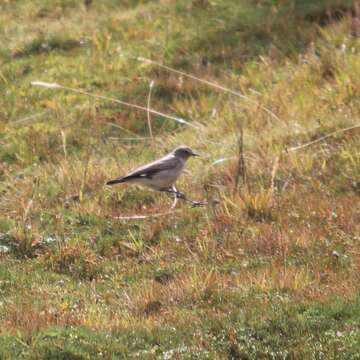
x=116, y=181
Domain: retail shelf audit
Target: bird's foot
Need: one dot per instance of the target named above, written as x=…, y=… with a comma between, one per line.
x=198, y=203
x=180, y=195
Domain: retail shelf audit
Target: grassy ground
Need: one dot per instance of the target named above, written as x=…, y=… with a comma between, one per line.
x=269, y=270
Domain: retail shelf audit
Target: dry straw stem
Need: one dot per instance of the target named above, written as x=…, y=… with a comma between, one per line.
x=27, y=210
x=241, y=168
x=304, y=146
x=273, y=174
x=148, y=112
x=209, y=83
x=220, y=161
x=84, y=178
x=145, y=138
x=316, y=141
x=143, y=217
x=28, y=118
x=124, y=103
x=171, y=211
x=135, y=136
x=63, y=138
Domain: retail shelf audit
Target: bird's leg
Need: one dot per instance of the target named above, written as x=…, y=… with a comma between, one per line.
x=174, y=191
x=195, y=203
x=180, y=195
x=173, y=188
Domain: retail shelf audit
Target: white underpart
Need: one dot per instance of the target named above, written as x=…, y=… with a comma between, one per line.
x=162, y=179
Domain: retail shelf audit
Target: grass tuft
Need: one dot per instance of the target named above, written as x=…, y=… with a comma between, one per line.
x=76, y=260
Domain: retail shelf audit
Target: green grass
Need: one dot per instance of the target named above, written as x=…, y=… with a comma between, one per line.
x=299, y=331
x=269, y=270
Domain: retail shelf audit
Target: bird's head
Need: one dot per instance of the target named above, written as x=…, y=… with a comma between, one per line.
x=184, y=152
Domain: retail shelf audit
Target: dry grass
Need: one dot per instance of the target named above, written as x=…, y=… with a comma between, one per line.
x=29, y=317
x=254, y=272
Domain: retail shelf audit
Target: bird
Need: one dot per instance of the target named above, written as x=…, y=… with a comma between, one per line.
x=161, y=174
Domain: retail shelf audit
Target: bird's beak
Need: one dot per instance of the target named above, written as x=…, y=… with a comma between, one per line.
x=195, y=154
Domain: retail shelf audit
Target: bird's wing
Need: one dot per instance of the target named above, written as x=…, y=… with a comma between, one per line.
x=147, y=171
